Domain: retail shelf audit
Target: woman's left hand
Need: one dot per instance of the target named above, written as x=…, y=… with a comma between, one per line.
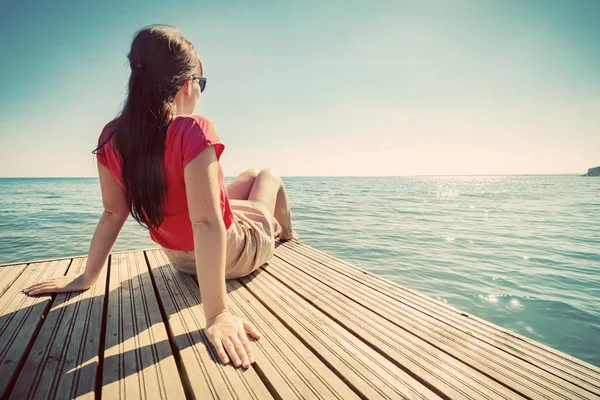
x=69, y=283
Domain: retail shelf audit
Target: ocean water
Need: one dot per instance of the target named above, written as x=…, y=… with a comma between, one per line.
x=520, y=251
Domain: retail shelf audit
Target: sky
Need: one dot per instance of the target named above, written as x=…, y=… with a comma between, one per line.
x=320, y=88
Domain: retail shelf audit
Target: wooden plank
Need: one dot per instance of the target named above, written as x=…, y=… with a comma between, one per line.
x=427, y=362
x=396, y=369
x=330, y=330
x=64, y=359
x=550, y=360
x=444, y=311
x=20, y=318
x=511, y=371
x=289, y=366
x=8, y=275
x=138, y=362
x=11, y=264
x=370, y=374
x=285, y=361
x=207, y=376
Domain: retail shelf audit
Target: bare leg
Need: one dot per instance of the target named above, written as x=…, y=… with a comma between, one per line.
x=269, y=189
x=241, y=186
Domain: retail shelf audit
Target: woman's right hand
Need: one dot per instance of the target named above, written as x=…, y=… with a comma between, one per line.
x=69, y=283
x=227, y=333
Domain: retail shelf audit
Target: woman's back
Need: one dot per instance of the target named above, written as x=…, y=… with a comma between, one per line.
x=187, y=136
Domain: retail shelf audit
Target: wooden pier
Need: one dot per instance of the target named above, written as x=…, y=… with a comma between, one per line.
x=330, y=330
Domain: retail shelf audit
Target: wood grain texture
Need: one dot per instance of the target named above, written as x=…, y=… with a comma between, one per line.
x=8, y=275
x=21, y=317
x=330, y=330
x=10, y=264
x=428, y=363
x=507, y=348
x=285, y=361
x=64, y=359
x=207, y=376
x=138, y=362
x=512, y=371
x=449, y=314
x=372, y=375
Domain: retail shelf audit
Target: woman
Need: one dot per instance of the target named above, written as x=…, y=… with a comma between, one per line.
x=160, y=163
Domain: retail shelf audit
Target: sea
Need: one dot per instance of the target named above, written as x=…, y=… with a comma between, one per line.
x=520, y=251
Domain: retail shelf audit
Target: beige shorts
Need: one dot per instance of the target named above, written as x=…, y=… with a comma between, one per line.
x=250, y=241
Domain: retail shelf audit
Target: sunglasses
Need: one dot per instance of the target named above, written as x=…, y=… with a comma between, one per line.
x=201, y=81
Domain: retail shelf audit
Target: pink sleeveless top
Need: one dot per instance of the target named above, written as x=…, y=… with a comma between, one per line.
x=187, y=136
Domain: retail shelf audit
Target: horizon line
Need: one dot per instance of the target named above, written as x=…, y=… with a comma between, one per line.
x=321, y=176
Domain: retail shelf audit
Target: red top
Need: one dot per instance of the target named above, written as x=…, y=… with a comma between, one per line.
x=187, y=136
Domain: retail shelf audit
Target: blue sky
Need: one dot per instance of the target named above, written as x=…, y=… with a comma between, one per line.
x=320, y=87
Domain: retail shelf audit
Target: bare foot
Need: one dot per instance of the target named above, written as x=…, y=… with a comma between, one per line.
x=285, y=236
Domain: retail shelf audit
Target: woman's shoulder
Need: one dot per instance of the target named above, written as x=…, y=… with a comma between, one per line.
x=193, y=133
x=107, y=131
x=192, y=124
x=191, y=120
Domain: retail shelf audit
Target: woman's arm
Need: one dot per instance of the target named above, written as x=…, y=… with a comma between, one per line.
x=210, y=241
x=111, y=221
x=226, y=332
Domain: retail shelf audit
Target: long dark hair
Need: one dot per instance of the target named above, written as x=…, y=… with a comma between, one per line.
x=161, y=59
